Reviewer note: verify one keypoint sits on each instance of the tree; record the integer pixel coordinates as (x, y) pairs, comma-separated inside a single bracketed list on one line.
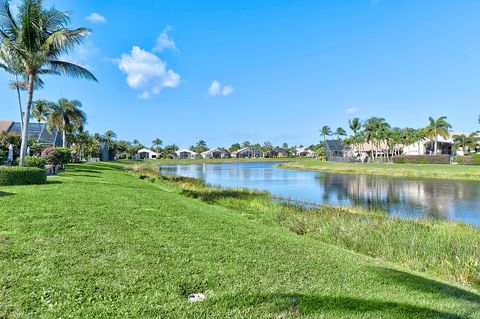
[(355, 125), (66, 117), (339, 132), (200, 147), (267, 148), (437, 127), (157, 143), (467, 143), (169, 151), (41, 111), (84, 145), (246, 144), (376, 129), (394, 137), (235, 147), (325, 131), (57, 156), (38, 38)]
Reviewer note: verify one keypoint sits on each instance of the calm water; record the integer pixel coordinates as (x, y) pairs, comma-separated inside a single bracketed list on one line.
[(417, 198)]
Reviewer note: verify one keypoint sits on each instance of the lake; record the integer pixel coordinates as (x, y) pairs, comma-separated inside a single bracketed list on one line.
[(414, 198)]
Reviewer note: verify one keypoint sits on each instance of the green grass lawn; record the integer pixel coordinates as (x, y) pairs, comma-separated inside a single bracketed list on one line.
[(99, 242), (389, 169)]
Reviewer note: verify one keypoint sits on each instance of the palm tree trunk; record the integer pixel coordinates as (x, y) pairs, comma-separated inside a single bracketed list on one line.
[(41, 132), (435, 146), (19, 103), (64, 137), (26, 118)]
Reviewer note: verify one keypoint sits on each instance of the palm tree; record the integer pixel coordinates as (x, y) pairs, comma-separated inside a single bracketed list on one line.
[(375, 132), (157, 143), (41, 111), (465, 142), (438, 127), (66, 117), (339, 132), (246, 144), (393, 138), (325, 131), (38, 38), (11, 64), (355, 125), (18, 85)]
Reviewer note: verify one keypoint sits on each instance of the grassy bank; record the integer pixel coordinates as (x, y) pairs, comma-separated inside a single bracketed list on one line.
[(401, 170), (98, 241), (447, 250)]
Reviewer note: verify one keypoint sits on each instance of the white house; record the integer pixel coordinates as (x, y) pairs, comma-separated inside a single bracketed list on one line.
[(422, 147), (216, 153), (185, 154), (304, 152), (247, 152), (147, 153), (445, 145)]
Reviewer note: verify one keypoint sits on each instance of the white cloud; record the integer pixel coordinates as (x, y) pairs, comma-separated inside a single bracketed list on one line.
[(227, 90), (352, 110), (216, 89), (96, 18), (146, 72), (164, 41)]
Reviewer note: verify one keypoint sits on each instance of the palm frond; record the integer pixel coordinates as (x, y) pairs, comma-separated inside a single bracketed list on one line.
[(9, 26), (62, 41), (5, 67), (54, 18), (70, 69)]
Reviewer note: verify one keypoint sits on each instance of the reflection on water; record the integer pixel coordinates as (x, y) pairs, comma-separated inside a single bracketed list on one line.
[(416, 198)]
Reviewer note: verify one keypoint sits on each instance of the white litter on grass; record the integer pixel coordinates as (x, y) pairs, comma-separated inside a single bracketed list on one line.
[(196, 297)]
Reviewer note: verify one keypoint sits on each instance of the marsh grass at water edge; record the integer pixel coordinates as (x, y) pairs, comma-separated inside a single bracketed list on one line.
[(446, 250)]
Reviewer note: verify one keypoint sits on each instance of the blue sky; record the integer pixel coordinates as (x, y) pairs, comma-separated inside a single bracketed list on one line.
[(282, 68)]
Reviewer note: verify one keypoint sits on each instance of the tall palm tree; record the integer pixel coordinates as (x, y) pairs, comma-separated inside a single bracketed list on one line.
[(41, 111), (38, 38), (437, 127), (17, 86), (376, 130), (66, 117), (339, 132), (157, 143), (325, 131), (355, 125)]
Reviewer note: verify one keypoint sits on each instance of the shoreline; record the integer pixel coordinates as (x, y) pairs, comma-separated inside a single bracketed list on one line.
[(368, 232), (410, 171)]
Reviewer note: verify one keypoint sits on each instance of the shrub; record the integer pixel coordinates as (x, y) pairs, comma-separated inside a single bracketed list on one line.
[(35, 161), (422, 159), (468, 160), (22, 175), (476, 159), (3, 156), (57, 155)]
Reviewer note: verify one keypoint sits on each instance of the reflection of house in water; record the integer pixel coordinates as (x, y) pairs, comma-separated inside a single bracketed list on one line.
[(433, 198)]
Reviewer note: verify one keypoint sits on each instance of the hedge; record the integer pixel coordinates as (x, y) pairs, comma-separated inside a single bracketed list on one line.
[(422, 159), (468, 160), (11, 175)]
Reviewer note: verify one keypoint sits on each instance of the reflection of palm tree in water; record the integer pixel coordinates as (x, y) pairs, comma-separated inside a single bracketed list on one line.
[(431, 198)]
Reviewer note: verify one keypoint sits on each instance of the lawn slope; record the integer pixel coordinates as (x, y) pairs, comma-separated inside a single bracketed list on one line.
[(99, 242)]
